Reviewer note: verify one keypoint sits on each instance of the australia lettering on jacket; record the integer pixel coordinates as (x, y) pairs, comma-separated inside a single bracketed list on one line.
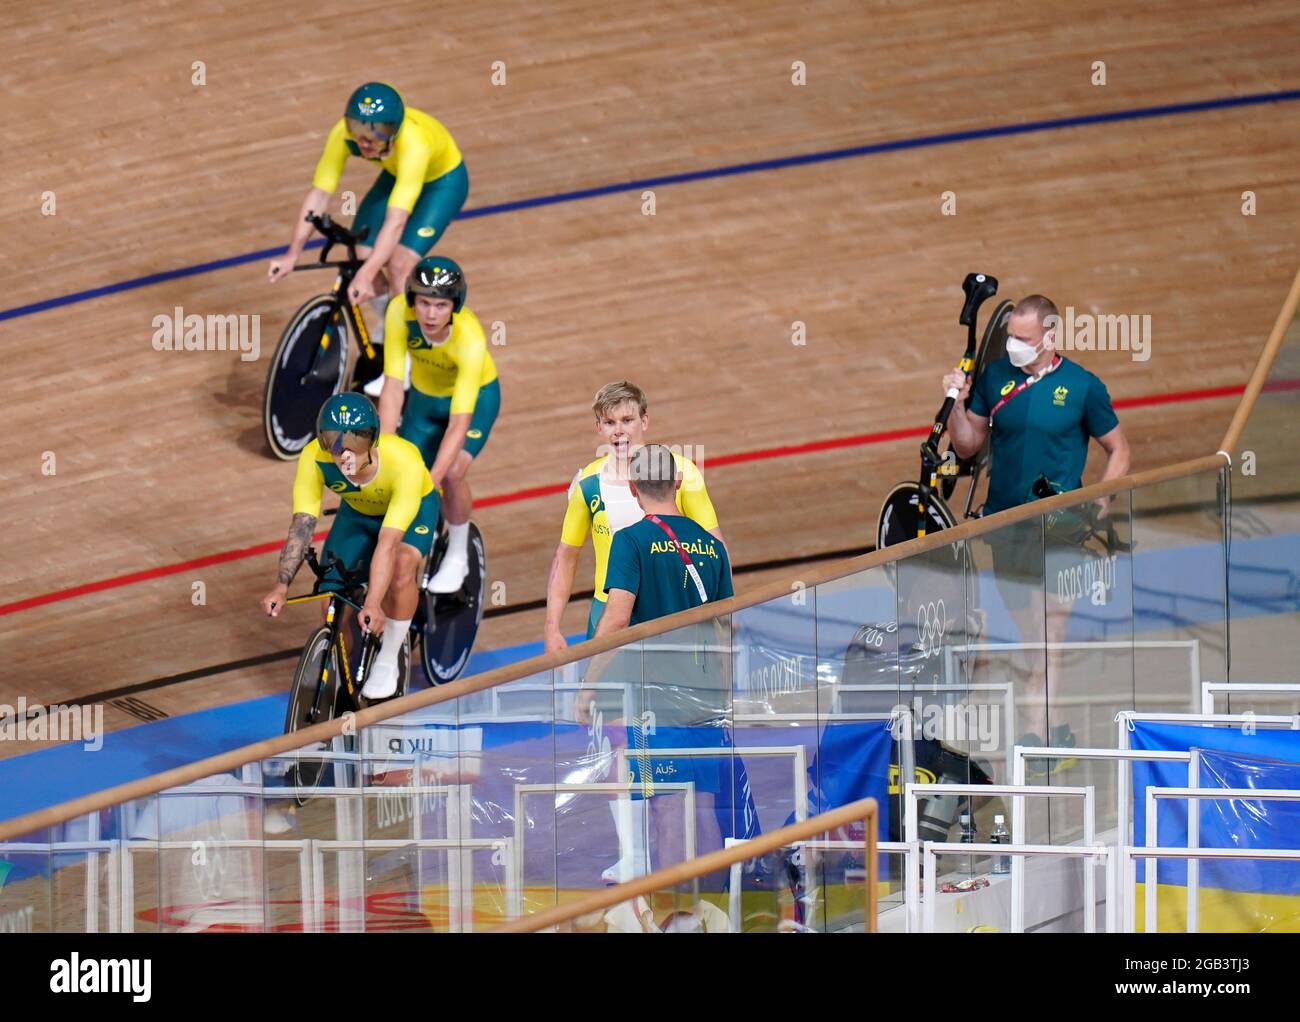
[(666, 547)]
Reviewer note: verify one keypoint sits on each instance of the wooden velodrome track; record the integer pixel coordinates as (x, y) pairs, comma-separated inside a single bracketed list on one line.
[(158, 456)]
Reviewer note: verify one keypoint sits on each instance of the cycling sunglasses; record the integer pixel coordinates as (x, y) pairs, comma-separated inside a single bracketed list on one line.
[(337, 441), (374, 132)]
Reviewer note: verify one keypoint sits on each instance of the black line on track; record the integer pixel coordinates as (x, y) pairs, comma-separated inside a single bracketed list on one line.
[(200, 673)]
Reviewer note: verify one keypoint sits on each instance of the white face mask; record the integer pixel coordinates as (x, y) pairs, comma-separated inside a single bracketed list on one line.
[(1022, 353)]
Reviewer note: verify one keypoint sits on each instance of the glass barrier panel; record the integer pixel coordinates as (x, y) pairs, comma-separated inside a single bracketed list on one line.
[(800, 888), (1180, 613), (680, 742), (597, 831), (1007, 663), (207, 849), (85, 877), (1264, 534), (26, 883), (864, 740), (1088, 610), (488, 820), (312, 821), (961, 700), (783, 700)]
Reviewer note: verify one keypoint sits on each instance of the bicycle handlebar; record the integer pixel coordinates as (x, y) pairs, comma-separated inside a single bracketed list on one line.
[(355, 579), (337, 234)]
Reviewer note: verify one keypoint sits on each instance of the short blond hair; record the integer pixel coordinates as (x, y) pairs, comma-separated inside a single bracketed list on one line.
[(612, 395), (1043, 308)]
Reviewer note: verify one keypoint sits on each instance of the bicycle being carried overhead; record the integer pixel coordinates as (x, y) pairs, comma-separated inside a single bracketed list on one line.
[(915, 507)]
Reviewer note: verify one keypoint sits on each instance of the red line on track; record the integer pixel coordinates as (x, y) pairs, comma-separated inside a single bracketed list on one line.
[(533, 493)]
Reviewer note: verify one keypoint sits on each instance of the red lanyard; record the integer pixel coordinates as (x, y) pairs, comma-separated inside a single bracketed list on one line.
[(681, 552), (1025, 385)]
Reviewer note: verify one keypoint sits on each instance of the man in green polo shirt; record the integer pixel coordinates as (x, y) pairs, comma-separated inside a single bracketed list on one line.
[(659, 566), (1042, 410), (665, 562)]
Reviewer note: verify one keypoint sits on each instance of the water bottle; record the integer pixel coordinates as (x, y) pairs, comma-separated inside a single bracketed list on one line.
[(967, 838), (1001, 863)]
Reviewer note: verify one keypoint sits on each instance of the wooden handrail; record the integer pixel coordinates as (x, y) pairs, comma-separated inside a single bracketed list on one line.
[(865, 811), (281, 744), (1285, 317)]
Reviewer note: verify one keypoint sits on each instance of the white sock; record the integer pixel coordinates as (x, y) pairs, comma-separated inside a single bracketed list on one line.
[(631, 836), (394, 633), (458, 540), (380, 304)]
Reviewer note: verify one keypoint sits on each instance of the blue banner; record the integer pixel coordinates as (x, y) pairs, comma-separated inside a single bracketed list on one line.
[(1224, 755)]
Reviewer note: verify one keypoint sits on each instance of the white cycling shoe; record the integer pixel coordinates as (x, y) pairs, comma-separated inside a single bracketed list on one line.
[(382, 683), (450, 575), (375, 387)]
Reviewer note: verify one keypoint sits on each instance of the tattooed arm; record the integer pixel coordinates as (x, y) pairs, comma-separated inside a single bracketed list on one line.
[(291, 558)]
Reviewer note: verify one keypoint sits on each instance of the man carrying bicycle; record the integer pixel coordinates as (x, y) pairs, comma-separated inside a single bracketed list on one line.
[(387, 517), (454, 397), (1041, 410), (421, 187)]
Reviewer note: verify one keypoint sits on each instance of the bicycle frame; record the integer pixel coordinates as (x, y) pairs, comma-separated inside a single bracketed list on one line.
[(347, 269), (333, 620)]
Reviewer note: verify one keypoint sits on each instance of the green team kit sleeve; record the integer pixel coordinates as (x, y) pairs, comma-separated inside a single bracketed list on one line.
[(1099, 416)]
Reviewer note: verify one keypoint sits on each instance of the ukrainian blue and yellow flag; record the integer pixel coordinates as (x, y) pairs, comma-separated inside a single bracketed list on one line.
[(1236, 895)]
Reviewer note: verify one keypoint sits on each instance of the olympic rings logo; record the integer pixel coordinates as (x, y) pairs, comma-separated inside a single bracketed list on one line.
[(931, 623)]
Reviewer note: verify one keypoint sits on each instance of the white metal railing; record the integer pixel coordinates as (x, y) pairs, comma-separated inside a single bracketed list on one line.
[(1131, 854), (1209, 689), (1192, 794), (1019, 793), (1122, 758), (1017, 852), (459, 911)]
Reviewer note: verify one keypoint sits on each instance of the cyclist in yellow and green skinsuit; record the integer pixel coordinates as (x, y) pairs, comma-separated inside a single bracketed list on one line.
[(421, 187)]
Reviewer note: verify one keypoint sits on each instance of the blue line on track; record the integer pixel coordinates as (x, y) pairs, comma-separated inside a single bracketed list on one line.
[(780, 163)]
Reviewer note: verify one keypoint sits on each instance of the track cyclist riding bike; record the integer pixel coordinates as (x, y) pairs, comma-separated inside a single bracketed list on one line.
[(422, 185), (388, 518), (454, 397)]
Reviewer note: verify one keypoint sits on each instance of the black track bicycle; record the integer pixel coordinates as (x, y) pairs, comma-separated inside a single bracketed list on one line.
[(914, 508), (333, 667), (338, 655), (313, 358)]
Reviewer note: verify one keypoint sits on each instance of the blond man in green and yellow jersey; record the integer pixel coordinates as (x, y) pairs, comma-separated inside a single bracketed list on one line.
[(601, 503)]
